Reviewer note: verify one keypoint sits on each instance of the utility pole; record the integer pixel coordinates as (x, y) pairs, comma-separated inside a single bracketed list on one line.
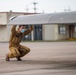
[(69, 8), (27, 8), (32, 33), (34, 3)]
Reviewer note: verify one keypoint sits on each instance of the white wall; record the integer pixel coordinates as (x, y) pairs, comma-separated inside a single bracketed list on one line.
[(3, 33), (8, 32), (3, 18), (49, 32)]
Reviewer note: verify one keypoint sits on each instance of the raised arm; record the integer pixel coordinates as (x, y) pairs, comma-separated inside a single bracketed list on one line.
[(28, 30), (13, 30)]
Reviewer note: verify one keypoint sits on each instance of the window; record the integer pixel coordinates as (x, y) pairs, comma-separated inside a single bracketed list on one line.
[(37, 32), (62, 30)]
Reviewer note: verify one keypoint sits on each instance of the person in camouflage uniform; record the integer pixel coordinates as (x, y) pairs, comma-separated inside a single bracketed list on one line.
[(16, 49)]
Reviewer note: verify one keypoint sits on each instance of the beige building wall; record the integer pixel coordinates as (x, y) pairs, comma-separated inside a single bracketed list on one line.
[(3, 33), (5, 29), (49, 32), (8, 32), (3, 18)]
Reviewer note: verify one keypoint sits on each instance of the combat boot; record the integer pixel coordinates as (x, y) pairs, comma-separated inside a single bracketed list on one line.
[(7, 57), (19, 59)]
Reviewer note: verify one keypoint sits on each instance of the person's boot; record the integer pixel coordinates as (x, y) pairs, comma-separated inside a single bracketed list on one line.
[(7, 57), (19, 59)]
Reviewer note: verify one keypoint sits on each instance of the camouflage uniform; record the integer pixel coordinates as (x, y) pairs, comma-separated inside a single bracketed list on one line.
[(17, 50)]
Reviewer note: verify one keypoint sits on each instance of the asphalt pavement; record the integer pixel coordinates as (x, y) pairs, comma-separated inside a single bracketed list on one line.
[(45, 58)]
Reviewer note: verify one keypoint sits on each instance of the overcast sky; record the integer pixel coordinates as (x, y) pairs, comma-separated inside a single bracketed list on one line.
[(48, 6)]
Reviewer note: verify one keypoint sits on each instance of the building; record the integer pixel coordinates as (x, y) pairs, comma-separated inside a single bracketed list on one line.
[(63, 26), (4, 20), (54, 26)]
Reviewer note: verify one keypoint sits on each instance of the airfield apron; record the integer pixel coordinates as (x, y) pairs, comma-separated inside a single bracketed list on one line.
[(17, 50)]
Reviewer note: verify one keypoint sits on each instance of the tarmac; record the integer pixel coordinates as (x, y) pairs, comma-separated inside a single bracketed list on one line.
[(45, 58)]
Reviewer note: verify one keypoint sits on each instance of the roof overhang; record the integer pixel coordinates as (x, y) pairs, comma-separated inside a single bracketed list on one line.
[(30, 19), (36, 19)]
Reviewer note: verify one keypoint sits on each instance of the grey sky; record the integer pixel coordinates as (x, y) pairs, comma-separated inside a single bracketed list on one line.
[(47, 5)]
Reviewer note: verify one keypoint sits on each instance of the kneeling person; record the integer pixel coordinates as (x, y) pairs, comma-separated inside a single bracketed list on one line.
[(16, 49)]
